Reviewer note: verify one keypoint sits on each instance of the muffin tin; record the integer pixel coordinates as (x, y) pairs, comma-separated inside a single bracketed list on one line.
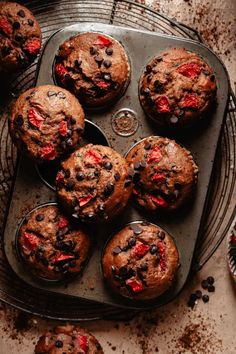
[(202, 141)]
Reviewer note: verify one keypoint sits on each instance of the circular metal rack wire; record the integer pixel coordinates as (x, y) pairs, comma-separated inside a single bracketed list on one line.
[(219, 210)]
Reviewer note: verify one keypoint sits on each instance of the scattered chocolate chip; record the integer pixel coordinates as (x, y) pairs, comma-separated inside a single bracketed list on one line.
[(116, 250), (131, 241), (161, 235), (70, 185), (108, 165), (30, 22), (113, 269), (107, 77), (92, 50), (136, 229), (16, 25), (79, 129), (72, 264), (205, 298), (18, 37), (21, 13), (212, 78), (127, 183), (109, 51), (123, 272), (148, 68), (80, 176), (145, 91), (159, 59), (98, 59), (136, 177), (117, 176), (98, 346), (78, 62), (158, 86), (210, 280), (144, 267), (153, 249), (109, 189), (125, 248), (51, 93), (107, 63), (69, 142), (149, 77), (19, 120), (39, 217), (59, 344), (72, 120), (67, 173), (204, 284), (60, 237), (198, 294), (211, 288), (147, 146)]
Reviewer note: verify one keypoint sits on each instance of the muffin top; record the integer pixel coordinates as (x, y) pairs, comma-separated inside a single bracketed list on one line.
[(20, 36), (51, 245), (165, 173), (94, 67), (93, 183), (140, 261), (68, 339), (46, 122), (177, 88)]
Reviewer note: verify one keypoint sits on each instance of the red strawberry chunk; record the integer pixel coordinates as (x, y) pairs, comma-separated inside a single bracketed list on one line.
[(162, 104), (102, 41), (155, 155), (159, 177), (82, 342), (233, 240), (60, 177), (103, 85), (140, 250), (92, 157), (60, 257), (61, 71), (63, 222), (135, 285), (63, 128), (35, 118), (159, 201), (32, 46), (84, 200), (48, 152), (191, 70), (30, 242), (190, 100), (161, 249), (5, 26)]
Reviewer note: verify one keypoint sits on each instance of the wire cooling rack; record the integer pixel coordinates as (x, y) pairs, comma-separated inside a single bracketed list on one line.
[(220, 208)]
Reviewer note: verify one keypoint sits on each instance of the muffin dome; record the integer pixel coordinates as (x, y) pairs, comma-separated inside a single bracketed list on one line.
[(46, 122), (50, 245), (94, 67), (177, 88), (140, 261), (93, 183), (20, 37), (164, 174)]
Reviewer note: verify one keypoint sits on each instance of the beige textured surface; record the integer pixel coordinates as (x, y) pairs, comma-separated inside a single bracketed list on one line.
[(167, 330)]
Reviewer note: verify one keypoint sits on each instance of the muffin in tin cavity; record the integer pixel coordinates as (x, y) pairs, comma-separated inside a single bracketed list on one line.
[(20, 37), (93, 66), (177, 88), (68, 339), (93, 183), (164, 174), (140, 261), (46, 122), (50, 245)]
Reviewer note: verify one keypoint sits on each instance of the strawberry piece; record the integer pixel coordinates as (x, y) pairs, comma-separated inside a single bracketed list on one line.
[(35, 118), (103, 85), (33, 46), (154, 155), (63, 128), (190, 100), (83, 343), (162, 104), (63, 222), (5, 27), (233, 240), (61, 72), (191, 70), (30, 242), (159, 201), (140, 250), (135, 285), (84, 200), (60, 177), (161, 249), (48, 152), (159, 177), (92, 157), (60, 257), (102, 41)]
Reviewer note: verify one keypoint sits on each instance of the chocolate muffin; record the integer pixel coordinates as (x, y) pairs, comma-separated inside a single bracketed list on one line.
[(140, 261), (177, 88), (68, 339), (50, 245), (93, 66), (46, 122), (20, 37), (164, 174), (93, 183)]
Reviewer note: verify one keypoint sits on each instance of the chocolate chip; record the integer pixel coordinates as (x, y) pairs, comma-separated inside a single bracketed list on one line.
[(61, 95), (92, 50), (113, 269), (39, 217), (159, 59), (72, 120), (107, 77), (98, 59), (148, 68), (80, 176), (117, 176), (149, 77), (125, 248), (108, 165), (136, 229), (67, 173), (60, 237), (98, 346), (127, 183), (136, 177), (204, 284), (147, 146), (109, 189), (145, 91), (116, 250), (21, 13), (18, 37), (72, 264), (78, 62), (158, 86), (59, 344), (69, 142), (91, 175), (109, 51), (153, 249), (211, 288), (205, 298), (70, 185), (161, 235), (79, 129), (210, 280), (212, 78), (198, 294), (131, 241), (30, 22), (144, 267), (51, 93), (16, 25), (123, 272), (19, 120), (107, 63), (177, 186)]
